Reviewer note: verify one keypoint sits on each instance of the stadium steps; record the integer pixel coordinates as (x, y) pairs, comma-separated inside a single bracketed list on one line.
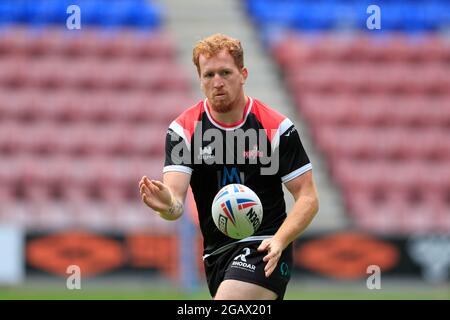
[(186, 27)]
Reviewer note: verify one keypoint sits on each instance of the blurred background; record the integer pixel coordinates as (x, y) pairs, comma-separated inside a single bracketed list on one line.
[(86, 96)]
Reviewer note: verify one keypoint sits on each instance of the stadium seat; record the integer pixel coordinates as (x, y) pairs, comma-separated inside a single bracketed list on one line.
[(13, 72), (354, 175), (19, 214), (420, 218), (14, 41), (94, 215), (167, 107), (376, 104), (10, 170), (432, 48), (115, 74), (10, 134), (336, 47), (331, 109), (291, 51), (79, 110), (155, 45), (47, 42), (443, 218), (382, 219)]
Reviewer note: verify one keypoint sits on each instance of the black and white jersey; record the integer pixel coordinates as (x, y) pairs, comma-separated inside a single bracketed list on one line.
[(262, 151)]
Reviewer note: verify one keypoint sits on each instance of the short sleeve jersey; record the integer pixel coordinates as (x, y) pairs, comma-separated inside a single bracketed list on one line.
[(262, 151)]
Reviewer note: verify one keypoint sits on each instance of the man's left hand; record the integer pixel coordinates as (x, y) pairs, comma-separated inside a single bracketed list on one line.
[(274, 249)]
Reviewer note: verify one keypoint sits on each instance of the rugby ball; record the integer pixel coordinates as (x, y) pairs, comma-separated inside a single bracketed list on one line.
[(237, 211)]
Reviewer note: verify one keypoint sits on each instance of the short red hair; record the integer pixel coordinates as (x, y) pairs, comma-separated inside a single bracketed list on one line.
[(212, 45)]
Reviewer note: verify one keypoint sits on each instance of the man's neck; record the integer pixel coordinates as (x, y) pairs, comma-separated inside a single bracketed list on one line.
[(235, 115)]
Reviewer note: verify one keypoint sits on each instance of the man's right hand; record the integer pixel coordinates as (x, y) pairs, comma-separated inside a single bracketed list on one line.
[(156, 195), (166, 198)]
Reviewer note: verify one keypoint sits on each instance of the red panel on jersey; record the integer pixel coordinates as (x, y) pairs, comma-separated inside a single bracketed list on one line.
[(269, 118), (188, 119)]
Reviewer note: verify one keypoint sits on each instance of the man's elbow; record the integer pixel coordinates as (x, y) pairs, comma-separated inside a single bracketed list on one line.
[(315, 205), (313, 201)]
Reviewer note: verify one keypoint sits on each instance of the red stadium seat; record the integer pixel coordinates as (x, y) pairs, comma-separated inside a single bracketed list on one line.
[(14, 71), (370, 49), (399, 49), (327, 109), (400, 176), (167, 107), (78, 112), (83, 73), (160, 77), (357, 175), (385, 218), (49, 41), (15, 41), (335, 47), (95, 215), (38, 138), (433, 48), (370, 109), (291, 51), (435, 177), (10, 135), (147, 140), (428, 143), (383, 129), (151, 46), (81, 44), (420, 218), (117, 74), (443, 218), (18, 214), (34, 178), (133, 106), (315, 78), (10, 171)]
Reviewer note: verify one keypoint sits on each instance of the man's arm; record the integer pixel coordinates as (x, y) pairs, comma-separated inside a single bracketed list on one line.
[(305, 208), (167, 197)]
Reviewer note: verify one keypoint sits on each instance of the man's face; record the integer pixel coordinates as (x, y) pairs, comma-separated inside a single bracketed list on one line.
[(221, 80)]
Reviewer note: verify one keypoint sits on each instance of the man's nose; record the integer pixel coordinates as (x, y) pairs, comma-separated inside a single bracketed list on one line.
[(217, 81)]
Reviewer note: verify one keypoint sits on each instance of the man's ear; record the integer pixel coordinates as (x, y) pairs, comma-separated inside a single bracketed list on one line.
[(244, 73)]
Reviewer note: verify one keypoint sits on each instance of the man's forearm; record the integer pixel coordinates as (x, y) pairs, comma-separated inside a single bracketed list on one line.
[(298, 219)]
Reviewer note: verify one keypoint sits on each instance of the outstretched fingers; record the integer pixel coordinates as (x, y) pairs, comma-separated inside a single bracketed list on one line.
[(158, 184), (150, 186)]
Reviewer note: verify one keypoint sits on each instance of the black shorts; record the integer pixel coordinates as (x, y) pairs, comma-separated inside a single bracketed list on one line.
[(243, 262)]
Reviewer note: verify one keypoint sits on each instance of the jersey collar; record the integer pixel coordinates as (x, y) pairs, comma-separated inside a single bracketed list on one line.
[(225, 126)]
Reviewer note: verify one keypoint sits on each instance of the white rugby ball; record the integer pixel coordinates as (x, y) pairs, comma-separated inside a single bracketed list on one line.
[(237, 211)]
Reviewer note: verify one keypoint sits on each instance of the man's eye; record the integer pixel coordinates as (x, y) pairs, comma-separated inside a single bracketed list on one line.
[(209, 75), (225, 72)]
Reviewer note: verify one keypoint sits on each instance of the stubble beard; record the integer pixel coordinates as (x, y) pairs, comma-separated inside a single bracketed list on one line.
[(221, 106)]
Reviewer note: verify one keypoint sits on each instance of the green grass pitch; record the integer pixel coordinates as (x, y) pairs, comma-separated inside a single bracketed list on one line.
[(294, 292)]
